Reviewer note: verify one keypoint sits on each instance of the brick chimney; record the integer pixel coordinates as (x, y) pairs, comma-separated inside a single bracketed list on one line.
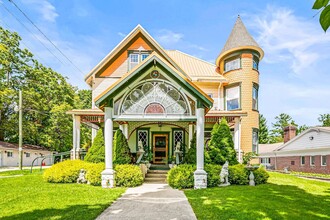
[(289, 133)]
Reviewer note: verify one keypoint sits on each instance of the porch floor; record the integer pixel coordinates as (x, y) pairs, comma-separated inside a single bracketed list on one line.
[(150, 201)]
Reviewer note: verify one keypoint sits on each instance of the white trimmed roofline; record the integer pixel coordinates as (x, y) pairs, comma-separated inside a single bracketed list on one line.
[(317, 129), (130, 36)]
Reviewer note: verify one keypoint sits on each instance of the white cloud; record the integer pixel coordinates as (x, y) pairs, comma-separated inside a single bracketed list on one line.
[(121, 34), (168, 37), (286, 37), (45, 8)]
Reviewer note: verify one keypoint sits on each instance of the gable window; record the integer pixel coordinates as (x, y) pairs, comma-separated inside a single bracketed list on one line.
[(255, 96), (302, 160), (323, 160), (9, 154), (232, 64), (255, 64), (233, 98), (135, 57), (312, 160), (255, 140)]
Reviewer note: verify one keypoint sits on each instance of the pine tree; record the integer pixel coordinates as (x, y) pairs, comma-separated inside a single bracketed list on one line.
[(277, 133), (121, 151), (222, 144), (190, 156), (96, 153), (263, 130)]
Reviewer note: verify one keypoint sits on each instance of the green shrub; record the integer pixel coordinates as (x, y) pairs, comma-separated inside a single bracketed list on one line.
[(128, 175), (238, 175), (93, 174), (221, 145), (260, 175), (190, 157), (121, 151), (182, 176), (213, 174), (65, 172), (96, 153)]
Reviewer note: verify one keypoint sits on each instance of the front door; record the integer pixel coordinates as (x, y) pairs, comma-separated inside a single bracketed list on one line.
[(160, 148)]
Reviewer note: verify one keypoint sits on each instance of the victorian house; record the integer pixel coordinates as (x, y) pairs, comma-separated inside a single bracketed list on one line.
[(160, 98)]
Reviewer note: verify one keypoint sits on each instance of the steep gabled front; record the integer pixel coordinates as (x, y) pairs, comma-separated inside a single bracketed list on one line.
[(160, 84)]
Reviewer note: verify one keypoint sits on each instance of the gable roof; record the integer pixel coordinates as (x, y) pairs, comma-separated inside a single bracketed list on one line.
[(239, 38), (7, 145), (318, 129), (138, 29), (195, 67), (151, 59)]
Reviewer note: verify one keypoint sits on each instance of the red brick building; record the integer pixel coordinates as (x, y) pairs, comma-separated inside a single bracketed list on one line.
[(307, 152)]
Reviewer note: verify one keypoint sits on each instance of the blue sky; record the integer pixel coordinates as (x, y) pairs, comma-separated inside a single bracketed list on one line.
[(294, 74)]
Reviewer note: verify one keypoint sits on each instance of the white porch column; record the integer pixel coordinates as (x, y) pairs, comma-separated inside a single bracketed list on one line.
[(200, 176), (108, 175), (237, 138), (191, 133), (76, 137)]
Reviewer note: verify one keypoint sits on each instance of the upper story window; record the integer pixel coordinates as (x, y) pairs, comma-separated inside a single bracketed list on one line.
[(233, 98), (135, 57), (9, 154), (255, 90), (232, 64), (255, 64)]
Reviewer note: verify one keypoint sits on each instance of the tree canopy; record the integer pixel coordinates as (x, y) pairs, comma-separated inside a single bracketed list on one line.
[(46, 97), (263, 130), (324, 7), (324, 119)]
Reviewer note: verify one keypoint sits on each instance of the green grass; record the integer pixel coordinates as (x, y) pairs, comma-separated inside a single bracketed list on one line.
[(284, 197), (29, 197)]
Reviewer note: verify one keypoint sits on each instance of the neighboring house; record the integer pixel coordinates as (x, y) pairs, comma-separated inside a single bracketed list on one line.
[(161, 97), (307, 152), (9, 155)]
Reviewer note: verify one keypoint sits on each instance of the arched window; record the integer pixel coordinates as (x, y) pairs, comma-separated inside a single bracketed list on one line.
[(155, 97)]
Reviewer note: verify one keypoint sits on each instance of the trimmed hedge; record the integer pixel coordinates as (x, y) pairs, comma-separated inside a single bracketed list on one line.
[(260, 176), (238, 175), (128, 175), (93, 174), (65, 172), (182, 176), (68, 172)]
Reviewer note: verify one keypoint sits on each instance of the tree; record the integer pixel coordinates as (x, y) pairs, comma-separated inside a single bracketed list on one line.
[(46, 97), (277, 133), (301, 128), (96, 153), (190, 157), (263, 130), (121, 150), (324, 7), (221, 147), (324, 119)]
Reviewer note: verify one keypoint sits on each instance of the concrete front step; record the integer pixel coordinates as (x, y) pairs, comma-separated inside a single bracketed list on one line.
[(156, 175), (155, 180), (157, 172)]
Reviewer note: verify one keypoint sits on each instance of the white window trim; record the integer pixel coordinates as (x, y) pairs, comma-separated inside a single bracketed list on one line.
[(12, 153), (322, 160), (302, 164), (310, 160), (239, 97)]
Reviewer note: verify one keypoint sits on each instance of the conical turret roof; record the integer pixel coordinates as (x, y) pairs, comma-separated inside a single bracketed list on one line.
[(239, 38)]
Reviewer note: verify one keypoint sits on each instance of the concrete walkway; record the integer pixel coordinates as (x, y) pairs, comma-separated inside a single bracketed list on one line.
[(150, 201)]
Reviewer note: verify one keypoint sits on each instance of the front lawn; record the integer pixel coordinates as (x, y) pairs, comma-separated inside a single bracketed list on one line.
[(284, 197), (29, 197)]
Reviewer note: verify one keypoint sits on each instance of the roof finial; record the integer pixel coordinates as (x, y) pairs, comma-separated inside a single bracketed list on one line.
[(238, 16)]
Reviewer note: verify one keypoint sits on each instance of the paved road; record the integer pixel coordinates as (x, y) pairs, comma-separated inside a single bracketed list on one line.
[(150, 201)]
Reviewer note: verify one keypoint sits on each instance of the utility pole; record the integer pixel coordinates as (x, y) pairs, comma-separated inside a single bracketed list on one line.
[(20, 132)]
